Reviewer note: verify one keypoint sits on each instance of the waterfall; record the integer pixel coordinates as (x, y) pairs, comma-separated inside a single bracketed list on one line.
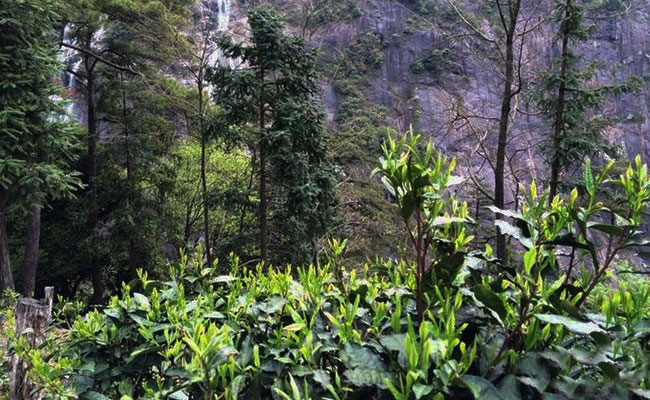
[(224, 15), (72, 63), (221, 23)]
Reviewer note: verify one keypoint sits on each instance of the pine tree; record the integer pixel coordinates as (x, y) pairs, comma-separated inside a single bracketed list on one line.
[(124, 49), (274, 98), (37, 142), (569, 103)]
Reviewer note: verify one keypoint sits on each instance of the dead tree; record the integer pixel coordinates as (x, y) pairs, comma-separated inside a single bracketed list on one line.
[(33, 317)]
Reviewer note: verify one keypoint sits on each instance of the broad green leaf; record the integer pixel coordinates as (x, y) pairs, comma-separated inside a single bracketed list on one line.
[(509, 388), (369, 377), (224, 279), (94, 396), (322, 377), (394, 342), (606, 228), (573, 325), (141, 300), (408, 206), (491, 300), (567, 240), (448, 268), (514, 232), (481, 388), (506, 213), (420, 390)]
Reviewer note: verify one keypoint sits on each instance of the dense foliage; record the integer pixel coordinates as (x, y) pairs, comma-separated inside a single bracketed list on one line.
[(235, 224), (37, 142), (444, 329)]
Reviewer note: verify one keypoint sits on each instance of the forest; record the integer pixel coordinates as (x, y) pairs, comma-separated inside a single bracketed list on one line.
[(324, 199)]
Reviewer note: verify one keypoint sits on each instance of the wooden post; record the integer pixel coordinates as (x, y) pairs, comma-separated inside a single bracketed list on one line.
[(33, 317)]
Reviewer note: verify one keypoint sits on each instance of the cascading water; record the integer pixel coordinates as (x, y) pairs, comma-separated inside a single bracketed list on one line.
[(215, 13), (220, 15), (72, 77), (72, 62)]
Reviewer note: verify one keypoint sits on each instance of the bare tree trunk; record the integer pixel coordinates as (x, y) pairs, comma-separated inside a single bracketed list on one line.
[(204, 184), (33, 317), (504, 119), (558, 124), (263, 206), (91, 172), (6, 277), (31, 251)]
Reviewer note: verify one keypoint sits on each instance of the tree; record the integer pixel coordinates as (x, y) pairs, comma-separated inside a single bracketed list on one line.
[(37, 142), (567, 99), (195, 50), (510, 29), (123, 50), (420, 180), (274, 98)]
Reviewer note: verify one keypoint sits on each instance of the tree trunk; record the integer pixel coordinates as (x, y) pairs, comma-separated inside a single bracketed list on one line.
[(91, 172), (504, 119), (558, 124), (33, 317), (262, 145), (31, 251), (204, 183), (6, 276), (132, 260)]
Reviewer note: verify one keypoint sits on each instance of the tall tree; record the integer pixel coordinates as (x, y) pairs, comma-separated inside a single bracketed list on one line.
[(36, 142), (139, 112), (509, 18), (569, 102), (507, 38), (123, 48), (274, 96), (196, 50)]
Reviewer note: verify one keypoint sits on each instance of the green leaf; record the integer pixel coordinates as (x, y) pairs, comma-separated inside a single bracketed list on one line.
[(408, 206), (609, 369), (356, 356), (237, 385), (481, 388), (567, 240), (94, 396), (514, 232), (573, 325), (590, 185), (420, 390), (509, 388), (295, 327), (491, 300), (506, 213), (322, 377), (365, 366), (642, 393), (141, 300), (448, 268), (606, 228), (394, 342), (369, 377), (224, 279)]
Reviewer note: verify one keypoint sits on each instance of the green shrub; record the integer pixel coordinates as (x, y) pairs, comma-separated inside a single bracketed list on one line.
[(258, 331), (7, 304), (539, 324)]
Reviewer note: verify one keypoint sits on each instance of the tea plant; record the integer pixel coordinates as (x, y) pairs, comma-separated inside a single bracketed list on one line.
[(452, 324)]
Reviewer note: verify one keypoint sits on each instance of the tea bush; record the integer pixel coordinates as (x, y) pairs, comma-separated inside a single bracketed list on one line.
[(452, 324), (322, 332)]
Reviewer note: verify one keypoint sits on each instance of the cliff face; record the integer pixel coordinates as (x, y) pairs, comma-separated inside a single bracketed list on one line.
[(447, 84)]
